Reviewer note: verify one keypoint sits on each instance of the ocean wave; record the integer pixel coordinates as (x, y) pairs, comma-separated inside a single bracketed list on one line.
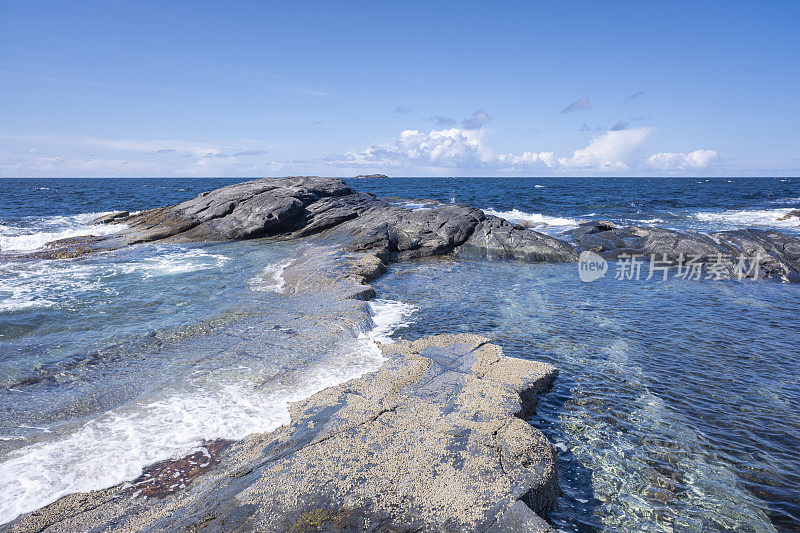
[(171, 262), (43, 230), (645, 220), (271, 278), (230, 404), (387, 317), (745, 218), (40, 284), (538, 220), (46, 284)]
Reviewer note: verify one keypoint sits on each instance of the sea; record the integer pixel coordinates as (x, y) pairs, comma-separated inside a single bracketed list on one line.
[(677, 406)]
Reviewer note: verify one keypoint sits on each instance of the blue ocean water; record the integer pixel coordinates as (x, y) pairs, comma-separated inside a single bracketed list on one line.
[(677, 406)]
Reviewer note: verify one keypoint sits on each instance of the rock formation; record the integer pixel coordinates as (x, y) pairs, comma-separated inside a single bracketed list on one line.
[(777, 254), (393, 229), (304, 206)]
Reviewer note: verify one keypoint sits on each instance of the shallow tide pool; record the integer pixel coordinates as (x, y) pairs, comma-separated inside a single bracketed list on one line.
[(677, 406)]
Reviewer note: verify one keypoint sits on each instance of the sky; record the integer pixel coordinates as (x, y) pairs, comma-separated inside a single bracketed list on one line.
[(102, 88)]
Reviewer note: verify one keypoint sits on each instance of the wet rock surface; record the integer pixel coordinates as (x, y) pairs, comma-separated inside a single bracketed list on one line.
[(430, 442), (776, 254)]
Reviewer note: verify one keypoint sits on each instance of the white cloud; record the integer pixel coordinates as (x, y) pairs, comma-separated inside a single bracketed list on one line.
[(462, 149), (682, 161), (467, 148), (71, 155), (609, 151), (451, 147)]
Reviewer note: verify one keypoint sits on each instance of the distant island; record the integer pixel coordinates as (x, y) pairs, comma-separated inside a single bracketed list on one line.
[(370, 176)]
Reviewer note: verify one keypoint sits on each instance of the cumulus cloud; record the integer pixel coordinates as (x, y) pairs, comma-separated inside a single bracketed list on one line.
[(578, 105), (467, 148), (609, 151), (452, 147), (682, 161), (403, 109)]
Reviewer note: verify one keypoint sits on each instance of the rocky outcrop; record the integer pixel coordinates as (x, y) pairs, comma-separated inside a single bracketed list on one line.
[(304, 206), (788, 216), (111, 218), (246, 210), (430, 442), (496, 238), (776, 254), (395, 229)]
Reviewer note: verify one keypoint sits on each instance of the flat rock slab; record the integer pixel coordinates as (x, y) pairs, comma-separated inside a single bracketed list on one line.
[(433, 441)]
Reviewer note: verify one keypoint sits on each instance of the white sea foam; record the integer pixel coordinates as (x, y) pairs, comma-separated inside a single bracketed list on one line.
[(230, 404), (387, 317), (48, 229), (746, 218), (540, 222), (172, 262), (271, 278), (40, 284), (416, 206), (645, 220), (45, 283)]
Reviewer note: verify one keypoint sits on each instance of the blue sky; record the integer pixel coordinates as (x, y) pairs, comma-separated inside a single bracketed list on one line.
[(127, 88)]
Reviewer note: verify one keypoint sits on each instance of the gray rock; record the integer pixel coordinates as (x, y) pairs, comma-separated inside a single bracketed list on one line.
[(778, 254), (496, 238), (241, 211), (520, 519), (392, 231), (611, 241), (111, 218), (305, 206)]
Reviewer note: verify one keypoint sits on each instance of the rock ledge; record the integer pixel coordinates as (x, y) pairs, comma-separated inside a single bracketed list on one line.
[(430, 442)]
